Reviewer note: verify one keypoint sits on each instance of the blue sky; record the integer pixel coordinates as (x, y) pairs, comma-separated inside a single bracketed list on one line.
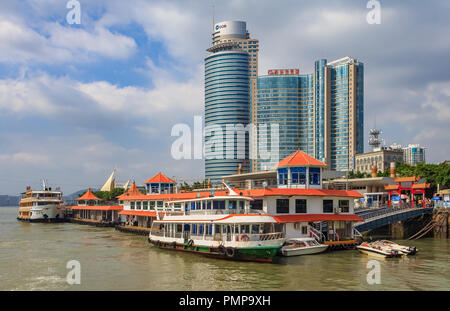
[(78, 100)]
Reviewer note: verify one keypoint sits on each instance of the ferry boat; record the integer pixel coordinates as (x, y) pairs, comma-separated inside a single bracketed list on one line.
[(218, 226), (378, 250), (302, 246), (41, 205)]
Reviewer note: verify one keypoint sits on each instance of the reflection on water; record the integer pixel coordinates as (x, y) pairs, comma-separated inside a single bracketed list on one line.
[(34, 257)]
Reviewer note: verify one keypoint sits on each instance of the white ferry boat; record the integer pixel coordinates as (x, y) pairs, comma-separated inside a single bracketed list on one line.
[(41, 205), (218, 226)]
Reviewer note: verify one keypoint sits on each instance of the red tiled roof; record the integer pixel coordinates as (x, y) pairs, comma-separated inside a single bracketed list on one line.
[(139, 213), (299, 158), (99, 208), (160, 178), (88, 196), (133, 192), (300, 192), (316, 217)]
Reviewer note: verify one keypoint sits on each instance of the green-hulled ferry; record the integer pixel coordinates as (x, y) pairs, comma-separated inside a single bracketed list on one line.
[(218, 226)]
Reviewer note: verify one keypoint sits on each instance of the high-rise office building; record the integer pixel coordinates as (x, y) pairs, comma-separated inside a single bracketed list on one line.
[(320, 113), (414, 154), (285, 98), (236, 32), (229, 71)]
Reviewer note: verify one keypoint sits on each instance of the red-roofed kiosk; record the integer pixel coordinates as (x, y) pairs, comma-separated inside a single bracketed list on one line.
[(90, 211)]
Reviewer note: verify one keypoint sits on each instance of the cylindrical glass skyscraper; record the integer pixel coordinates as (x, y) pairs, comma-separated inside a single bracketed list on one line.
[(226, 109)]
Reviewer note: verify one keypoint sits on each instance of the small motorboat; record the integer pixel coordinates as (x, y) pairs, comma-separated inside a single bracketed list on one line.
[(376, 249), (302, 246), (407, 250)]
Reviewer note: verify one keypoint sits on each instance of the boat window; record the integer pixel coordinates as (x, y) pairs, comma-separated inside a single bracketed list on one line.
[(241, 204), (344, 206), (236, 229), (160, 203), (194, 229), (208, 205), (217, 229), (327, 206), (200, 229), (198, 205), (245, 229), (304, 230), (177, 205), (229, 229), (218, 204), (187, 228), (256, 204), (282, 206), (192, 205), (255, 229), (132, 204), (208, 229), (152, 204), (232, 204), (138, 205), (300, 205), (179, 228)]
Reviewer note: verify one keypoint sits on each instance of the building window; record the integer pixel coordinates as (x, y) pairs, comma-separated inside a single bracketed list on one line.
[(283, 176), (154, 188), (344, 206), (282, 206), (328, 206), (314, 176), (256, 204), (300, 206), (304, 230), (298, 175)]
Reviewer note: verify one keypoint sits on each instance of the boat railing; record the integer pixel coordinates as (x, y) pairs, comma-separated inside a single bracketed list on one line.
[(261, 236)]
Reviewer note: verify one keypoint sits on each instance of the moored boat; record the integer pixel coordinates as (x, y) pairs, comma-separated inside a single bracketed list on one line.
[(378, 250), (41, 205), (407, 250), (220, 227), (302, 246)]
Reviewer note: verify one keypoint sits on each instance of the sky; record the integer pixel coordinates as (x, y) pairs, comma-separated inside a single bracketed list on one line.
[(77, 100)]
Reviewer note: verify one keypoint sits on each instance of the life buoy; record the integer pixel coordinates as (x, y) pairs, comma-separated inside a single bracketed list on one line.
[(190, 243), (244, 238), (221, 249), (230, 252)]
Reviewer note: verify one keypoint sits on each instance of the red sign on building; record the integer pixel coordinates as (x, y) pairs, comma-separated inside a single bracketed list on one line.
[(279, 72)]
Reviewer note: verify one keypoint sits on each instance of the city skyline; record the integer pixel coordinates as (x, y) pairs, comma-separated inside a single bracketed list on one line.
[(78, 100)]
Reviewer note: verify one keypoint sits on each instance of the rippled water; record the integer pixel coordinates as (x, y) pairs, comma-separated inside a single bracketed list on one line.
[(34, 257)]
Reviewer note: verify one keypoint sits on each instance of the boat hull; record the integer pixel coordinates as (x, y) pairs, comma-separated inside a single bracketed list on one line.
[(259, 254), (303, 251), (44, 213), (378, 253)]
